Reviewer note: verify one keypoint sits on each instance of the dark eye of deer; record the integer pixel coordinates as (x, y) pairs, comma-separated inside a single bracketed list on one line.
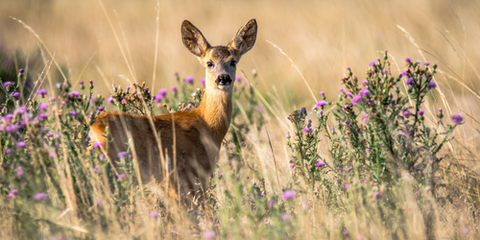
[(209, 64), (233, 63)]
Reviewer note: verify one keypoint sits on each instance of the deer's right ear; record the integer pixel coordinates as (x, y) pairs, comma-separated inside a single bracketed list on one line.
[(193, 39)]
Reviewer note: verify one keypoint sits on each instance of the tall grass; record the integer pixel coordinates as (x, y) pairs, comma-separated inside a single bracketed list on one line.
[(382, 164)]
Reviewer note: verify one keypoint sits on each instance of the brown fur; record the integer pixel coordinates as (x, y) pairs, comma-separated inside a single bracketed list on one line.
[(197, 135)]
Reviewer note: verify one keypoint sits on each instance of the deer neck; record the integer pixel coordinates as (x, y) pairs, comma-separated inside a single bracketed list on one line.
[(216, 111)]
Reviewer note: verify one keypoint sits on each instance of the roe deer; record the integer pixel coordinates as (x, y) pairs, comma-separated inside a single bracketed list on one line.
[(189, 154)]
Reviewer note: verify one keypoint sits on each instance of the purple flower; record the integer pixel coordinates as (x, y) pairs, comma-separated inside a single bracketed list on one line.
[(8, 116), (292, 165), (95, 169), (271, 203), (365, 92), (341, 90), (7, 84), (432, 84), (306, 129), (97, 144), (406, 113), (121, 155), (20, 70), (372, 63), (376, 193), (174, 89), (21, 144), (121, 176), (356, 99), (220, 175), (285, 217), (244, 83), (410, 81), (16, 94), (8, 151), (347, 186), (209, 235), (408, 60), (465, 231), (20, 111), (175, 74), (157, 98), (13, 193), (19, 172), (289, 194), (238, 78), (43, 106), (321, 103), (189, 79), (52, 154), (367, 150), (42, 116), (153, 214), (457, 119), (93, 100), (99, 202), (322, 93), (426, 64), (349, 94), (90, 82), (345, 233), (42, 92), (320, 164), (405, 74), (259, 108), (364, 82), (332, 128), (40, 196), (162, 92), (203, 81), (420, 112), (110, 100), (305, 206), (100, 109), (385, 72)]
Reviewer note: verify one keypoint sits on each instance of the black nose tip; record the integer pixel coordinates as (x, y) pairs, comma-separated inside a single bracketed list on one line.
[(223, 79)]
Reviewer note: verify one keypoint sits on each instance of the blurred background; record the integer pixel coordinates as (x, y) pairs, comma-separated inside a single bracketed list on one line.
[(322, 38)]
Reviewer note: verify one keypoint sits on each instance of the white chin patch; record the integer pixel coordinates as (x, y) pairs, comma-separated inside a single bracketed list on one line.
[(224, 86)]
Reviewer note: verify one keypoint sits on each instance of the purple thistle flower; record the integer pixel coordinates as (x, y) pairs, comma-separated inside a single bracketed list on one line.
[(365, 92), (95, 169), (321, 103), (322, 93), (432, 85), (21, 144), (465, 231), (175, 74), (320, 164), (405, 74), (174, 89), (110, 100), (356, 99), (19, 172), (121, 176), (100, 109), (97, 144), (341, 90), (8, 116), (157, 98), (372, 63), (7, 84), (345, 233), (121, 155), (20, 111), (367, 150), (305, 206), (153, 214), (162, 92), (42, 116), (285, 217), (20, 70), (349, 94), (364, 82), (90, 82), (13, 193), (289, 194), (73, 113), (244, 83), (16, 94), (43, 106), (332, 128), (93, 100), (80, 83), (8, 151), (306, 129), (189, 79), (42, 92), (271, 203), (347, 186), (220, 175), (426, 64), (408, 60), (203, 81), (376, 193), (40, 196), (292, 165), (209, 235), (420, 112), (259, 108), (457, 119), (385, 72), (238, 78), (99, 202), (406, 113), (52, 154), (410, 81)]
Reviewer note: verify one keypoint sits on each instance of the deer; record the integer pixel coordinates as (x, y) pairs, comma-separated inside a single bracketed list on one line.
[(181, 147)]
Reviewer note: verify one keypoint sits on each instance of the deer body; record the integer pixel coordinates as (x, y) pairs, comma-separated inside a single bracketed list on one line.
[(189, 141)]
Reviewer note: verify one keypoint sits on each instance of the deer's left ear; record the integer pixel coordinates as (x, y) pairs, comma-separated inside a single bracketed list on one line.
[(245, 38), (193, 39)]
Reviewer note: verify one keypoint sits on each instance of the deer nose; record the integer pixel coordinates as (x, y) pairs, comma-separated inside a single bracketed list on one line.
[(223, 79)]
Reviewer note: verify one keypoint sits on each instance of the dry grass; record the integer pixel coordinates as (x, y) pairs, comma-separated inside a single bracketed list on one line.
[(323, 38)]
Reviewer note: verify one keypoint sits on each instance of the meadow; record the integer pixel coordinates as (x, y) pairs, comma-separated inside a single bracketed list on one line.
[(352, 120)]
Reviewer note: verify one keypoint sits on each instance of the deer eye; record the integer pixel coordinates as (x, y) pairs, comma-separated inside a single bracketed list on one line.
[(209, 64), (233, 63)]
